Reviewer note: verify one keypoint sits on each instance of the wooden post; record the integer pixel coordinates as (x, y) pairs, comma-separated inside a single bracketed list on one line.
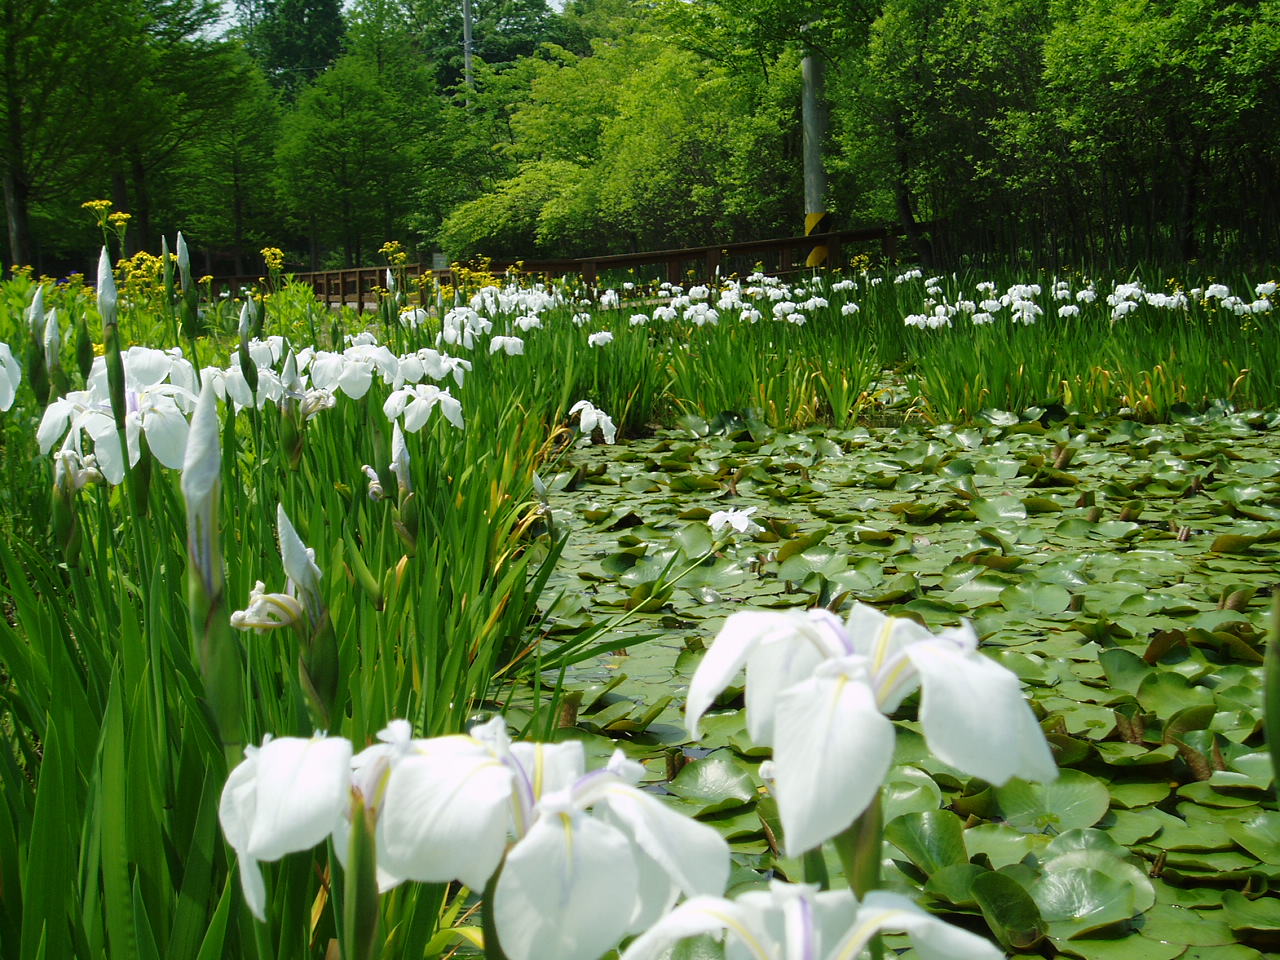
[(835, 254), (813, 111), (712, 262)]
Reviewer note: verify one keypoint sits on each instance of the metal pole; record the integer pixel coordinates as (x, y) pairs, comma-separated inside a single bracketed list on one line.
[(813, 112), (467, 75)]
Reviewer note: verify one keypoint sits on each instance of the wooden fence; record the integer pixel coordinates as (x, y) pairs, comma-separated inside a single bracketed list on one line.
[(778, 256)]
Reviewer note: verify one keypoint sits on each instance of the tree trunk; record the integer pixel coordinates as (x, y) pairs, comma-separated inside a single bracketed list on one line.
[(18, 217), (141, 208), (902, 196)]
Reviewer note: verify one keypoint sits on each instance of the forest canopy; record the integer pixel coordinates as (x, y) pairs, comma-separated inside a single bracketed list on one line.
[(1043, 131)]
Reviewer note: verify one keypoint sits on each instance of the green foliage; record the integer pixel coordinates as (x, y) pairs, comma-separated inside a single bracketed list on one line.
[(630, 147), (224, 175), (340, 161), (293, 40), (1048, 132)]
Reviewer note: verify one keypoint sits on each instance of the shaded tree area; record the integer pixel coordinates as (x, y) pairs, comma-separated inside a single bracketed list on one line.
[(1046, 131)]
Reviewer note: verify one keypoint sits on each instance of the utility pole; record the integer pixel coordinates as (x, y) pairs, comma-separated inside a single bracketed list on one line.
[(813, 113), (467, 76)]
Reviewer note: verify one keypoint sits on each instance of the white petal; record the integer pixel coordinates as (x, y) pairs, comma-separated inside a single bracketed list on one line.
[(394, 405), (771, 668), (255, 891), (548, 767), (446, 814), (299, 562), (701, 915), (693, 854), (451, 409), (884, 640), (106, 444), (145, 367), (655, 893), (355, 379), (975, 716), (739, 636), (301, 789), (832, 750), (237, 387), (202, 462), (327, 369), (166, 431), (932, 938), (566, 890), (239, 801), (416, 412), (54, 423)]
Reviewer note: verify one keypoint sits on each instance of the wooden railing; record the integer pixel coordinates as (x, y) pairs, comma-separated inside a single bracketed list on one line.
[(778, 256)]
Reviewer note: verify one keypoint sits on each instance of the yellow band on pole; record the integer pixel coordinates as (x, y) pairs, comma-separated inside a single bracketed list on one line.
[(816, 223)]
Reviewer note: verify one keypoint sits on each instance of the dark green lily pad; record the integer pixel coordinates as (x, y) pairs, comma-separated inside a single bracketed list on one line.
[(1009, 909), (931, 840)]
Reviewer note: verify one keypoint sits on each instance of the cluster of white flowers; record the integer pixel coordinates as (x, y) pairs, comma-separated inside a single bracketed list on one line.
[(585, 858), (160, 393), (590, 417)]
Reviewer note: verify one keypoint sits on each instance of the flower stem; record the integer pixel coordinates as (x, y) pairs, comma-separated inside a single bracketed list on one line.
[(815, 869), (1271, 686), (859, 851), (489, 923)]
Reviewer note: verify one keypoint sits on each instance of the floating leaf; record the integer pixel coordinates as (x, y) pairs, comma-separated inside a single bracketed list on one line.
[(1073, 800), (1079, 901), (932, 839), (954, 884), (714, 783), (1243, 914), (1010, 910), (1260, 835), (1045, 599)]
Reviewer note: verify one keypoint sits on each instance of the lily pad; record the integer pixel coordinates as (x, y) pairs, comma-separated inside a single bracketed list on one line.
[(1243, 914), (1079, 901), (1260, 836), (1132, 947), (908, 790), (1042, 598), (1010, 910), (932, 839), (714, 783), (1073, 800)]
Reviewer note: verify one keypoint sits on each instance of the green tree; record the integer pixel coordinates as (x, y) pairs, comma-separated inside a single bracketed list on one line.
[(502, 32), (293, 40), (345, 170), (48, 54), (223, 178), (638, 145), (172, 82)]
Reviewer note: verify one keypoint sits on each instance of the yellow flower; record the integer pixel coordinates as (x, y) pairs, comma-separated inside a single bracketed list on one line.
[(274, 258), (99, 210), (119, 218)]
